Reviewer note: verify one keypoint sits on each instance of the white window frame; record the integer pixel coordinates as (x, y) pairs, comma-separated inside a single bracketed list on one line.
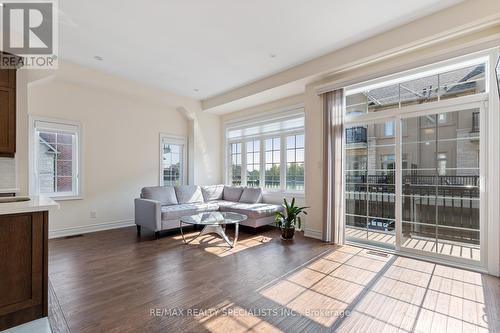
[(290, 112), (174, 140), (230, 162), (284, 154), (60, 125), (489, 157)]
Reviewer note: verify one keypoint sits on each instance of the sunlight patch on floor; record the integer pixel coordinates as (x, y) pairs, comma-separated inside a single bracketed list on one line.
[(383, 293), (236, 319), (454, 249), (215, 245)]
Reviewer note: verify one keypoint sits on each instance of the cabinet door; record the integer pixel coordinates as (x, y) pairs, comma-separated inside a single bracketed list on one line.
[(7, 122), (21, 263), (8, 78)]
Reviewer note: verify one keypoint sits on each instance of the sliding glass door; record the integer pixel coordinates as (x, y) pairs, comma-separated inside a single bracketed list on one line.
[(426, 164), (440, 175), (370, 183)]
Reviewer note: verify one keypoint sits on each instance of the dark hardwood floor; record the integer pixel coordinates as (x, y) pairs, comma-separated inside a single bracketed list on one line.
[(112, 281)]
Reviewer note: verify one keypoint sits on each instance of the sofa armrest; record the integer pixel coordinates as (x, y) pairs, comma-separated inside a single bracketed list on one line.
[(148, 214)]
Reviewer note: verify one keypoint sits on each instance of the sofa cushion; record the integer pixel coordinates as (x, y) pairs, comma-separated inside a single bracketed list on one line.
[(189, 194), (177, 211), (212, 192), (253, 211), (251, 195), (232, 193), (164, 194)]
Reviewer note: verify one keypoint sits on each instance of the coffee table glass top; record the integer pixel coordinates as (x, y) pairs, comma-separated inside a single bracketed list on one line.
[(214, 218)]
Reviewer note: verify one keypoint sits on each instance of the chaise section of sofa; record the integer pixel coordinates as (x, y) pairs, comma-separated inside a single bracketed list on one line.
[(160, 208)]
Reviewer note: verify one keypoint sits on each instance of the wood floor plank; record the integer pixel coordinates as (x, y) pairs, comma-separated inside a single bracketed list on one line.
[(112, 281)]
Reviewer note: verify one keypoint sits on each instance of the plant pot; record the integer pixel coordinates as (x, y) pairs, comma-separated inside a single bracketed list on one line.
[(287, 233)]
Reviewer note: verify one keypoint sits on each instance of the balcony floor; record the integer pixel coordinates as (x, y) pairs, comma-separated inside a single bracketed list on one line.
[(454, 249)]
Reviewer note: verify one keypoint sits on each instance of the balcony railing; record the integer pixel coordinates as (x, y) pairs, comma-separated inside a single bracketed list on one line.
[(390, 179), (450, 203), (355, 135)]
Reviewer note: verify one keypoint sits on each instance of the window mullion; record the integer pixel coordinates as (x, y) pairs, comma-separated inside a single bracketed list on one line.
[(229, 164), (262, 166), (398, 183), (244, 163), (282, 163)]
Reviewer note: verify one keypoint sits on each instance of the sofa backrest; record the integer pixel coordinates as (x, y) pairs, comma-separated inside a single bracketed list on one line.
[(189, 194), (168, 195), (212, 192), (251, 195), (232, 193), (164, 194)]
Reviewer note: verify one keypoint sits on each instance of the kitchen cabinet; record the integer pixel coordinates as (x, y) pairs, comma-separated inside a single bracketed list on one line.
[(8, 78), (23, 267), (7, 116)]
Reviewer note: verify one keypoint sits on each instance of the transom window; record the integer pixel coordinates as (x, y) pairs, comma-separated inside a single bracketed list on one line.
[(267, 153), (423, 87)]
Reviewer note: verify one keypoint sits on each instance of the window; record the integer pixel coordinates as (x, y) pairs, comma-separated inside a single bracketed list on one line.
[(295, 162), (389, 128), (451, 82), (272, 161), (55, 159), (267, 152), (414, 186), (388, 162), (235, 163), (253, 163), (172, 156), (441, 163)]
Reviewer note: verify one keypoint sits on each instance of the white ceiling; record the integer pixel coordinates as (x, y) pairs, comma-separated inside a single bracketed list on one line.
[(218, 45)]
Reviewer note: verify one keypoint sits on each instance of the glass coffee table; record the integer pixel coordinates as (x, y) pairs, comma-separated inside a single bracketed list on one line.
[(214, 223)]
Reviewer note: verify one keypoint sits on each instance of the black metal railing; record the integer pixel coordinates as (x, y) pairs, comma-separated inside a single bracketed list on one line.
[(444, 205), (355, 135)]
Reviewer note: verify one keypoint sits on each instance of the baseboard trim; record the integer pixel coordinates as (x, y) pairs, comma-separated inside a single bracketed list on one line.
[(311, 233), (90, 228)]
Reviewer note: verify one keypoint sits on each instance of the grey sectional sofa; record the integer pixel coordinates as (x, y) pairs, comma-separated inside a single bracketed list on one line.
[(159, 208)]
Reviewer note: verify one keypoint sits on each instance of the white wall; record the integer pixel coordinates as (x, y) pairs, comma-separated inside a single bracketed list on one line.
[(121, 122), (453, 22)]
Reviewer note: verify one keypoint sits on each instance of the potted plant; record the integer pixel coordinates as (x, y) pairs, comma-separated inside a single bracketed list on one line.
[(289, 219)]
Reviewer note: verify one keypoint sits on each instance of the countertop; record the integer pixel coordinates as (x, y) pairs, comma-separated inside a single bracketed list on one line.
[(36, 204)]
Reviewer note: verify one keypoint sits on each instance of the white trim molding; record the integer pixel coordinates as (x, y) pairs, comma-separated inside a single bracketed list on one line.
[(312, 233), (72, 231)]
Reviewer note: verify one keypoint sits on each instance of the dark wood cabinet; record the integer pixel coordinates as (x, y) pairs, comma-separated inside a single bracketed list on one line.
[(7, 121), (7, 112), (8, 78), (23, 267)]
